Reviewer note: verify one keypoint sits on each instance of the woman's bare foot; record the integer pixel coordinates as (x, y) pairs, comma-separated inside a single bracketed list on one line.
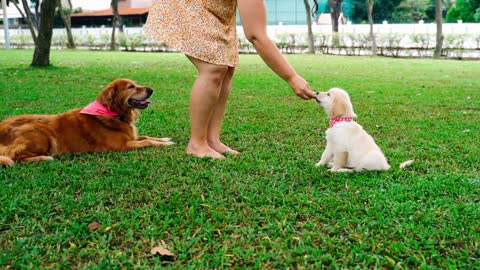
[(203, 151), (222, 148)]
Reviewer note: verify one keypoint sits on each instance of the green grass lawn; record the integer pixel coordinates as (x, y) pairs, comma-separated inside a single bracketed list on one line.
[(269, 207)]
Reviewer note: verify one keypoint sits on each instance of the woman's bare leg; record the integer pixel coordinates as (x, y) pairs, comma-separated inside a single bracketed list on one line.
[(214, 129), (203, 99)]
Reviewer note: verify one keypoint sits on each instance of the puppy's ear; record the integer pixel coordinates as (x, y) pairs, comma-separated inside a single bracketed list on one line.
[(352, 113), (338, 107), (341, 106), (349, 110)]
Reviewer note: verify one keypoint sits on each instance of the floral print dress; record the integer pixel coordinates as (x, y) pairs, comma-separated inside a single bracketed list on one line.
[(203, 29)]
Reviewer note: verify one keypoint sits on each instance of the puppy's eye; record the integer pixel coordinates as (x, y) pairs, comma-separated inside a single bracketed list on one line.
[(131, 86), (328, 94)]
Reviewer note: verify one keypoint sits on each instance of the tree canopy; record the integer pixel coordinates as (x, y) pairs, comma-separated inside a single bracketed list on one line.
[(465, 10), (412, 11), (382, 10)]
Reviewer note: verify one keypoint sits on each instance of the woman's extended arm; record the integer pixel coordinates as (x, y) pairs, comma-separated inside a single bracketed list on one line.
[(254, 20)]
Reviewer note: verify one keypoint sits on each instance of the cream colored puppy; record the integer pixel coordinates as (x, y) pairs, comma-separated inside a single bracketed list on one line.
[(349, 146)]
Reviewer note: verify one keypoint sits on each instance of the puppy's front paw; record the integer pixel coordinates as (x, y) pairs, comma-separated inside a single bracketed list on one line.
[(344, 170), (321, 162), (166, 139)]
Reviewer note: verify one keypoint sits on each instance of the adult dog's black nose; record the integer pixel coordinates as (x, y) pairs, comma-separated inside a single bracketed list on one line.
[(149, 90)]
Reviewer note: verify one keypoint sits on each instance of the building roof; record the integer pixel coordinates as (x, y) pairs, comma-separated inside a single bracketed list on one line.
[(109, 12), (325, 18)]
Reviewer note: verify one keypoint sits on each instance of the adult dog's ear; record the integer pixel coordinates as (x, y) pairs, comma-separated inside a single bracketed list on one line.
[(106, 96)]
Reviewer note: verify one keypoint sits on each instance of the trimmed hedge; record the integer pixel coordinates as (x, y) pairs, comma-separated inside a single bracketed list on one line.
[(388, 44)]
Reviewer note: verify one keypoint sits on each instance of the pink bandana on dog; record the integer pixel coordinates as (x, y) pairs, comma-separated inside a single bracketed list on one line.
[(336, 120), (97, 108)]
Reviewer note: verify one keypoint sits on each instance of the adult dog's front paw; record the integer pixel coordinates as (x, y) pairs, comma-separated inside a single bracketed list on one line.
[(161, 143)]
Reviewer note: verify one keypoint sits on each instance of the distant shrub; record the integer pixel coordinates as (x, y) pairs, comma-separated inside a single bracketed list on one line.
[(422, 42), (347, 43), (60, 41), (21, 41), (389, 44), (453, 45), (477, 41), (286, 42)]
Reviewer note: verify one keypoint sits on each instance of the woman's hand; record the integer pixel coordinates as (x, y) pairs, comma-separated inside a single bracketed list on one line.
[(301, 87)]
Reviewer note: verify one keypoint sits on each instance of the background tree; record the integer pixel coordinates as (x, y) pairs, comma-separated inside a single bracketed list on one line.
[(439, 22), (35, 17), (114, 5), (311, 48), (431, 10), (465, 10), (41, 55), (402, 9), (66, 14), (335, 10), (15, 3), (29, 17), (383, 10), (370, 21), (410, 11)]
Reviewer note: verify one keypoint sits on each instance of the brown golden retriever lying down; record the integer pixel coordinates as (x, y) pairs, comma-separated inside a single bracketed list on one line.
[(107, 124)]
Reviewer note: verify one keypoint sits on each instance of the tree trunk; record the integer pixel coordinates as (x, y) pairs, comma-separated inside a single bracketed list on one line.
[(439, 21), (114, 5), (335, 10), (311, 48), (68, 22), (370, 21), (19, 9), (41, 55), (30, 20)]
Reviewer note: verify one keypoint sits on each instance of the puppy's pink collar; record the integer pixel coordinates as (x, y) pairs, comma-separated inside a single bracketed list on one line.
[(97, 108), (336, 120)]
